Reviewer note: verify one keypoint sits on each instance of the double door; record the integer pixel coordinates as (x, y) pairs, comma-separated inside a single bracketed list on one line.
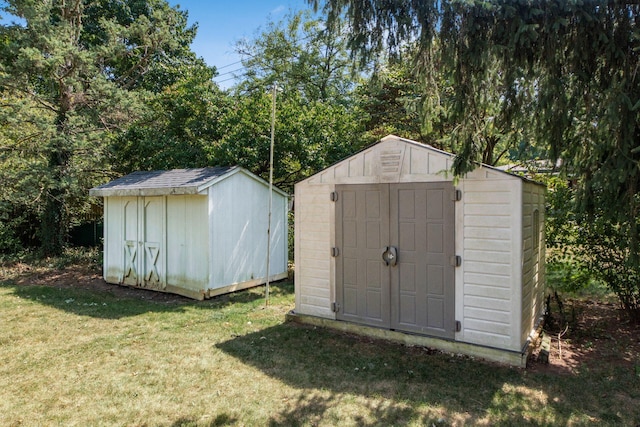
[(394, 261), (143, 242)]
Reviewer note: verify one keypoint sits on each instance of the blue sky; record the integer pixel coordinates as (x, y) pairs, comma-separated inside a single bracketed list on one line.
[(221, 23)]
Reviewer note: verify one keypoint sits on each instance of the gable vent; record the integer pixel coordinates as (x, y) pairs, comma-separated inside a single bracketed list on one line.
[(390, 161)]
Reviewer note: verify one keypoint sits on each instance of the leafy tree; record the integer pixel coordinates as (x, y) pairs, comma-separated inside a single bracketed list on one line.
[(316, 122), (565, 269), (308, 136), (177, 125), (299, 55), (390, 99), (566, 72), (22, 173), (78, 69)]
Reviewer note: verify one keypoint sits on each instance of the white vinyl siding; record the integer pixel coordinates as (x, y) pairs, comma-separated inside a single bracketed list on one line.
[(313, 241), (490, 205), (533, 279)]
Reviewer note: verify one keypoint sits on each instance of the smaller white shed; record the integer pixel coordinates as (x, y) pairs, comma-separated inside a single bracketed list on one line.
[(194, 232), (389, 244)]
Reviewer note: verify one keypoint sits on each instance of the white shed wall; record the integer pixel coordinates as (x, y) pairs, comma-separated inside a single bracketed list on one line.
[(187, 242), (533, 274), (314, 236), (488, 281), (113, 255), (238, 210), (208, 241)]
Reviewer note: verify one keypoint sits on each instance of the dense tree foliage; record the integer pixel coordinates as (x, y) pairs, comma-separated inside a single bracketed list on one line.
[(564, 74), (176, 127), (317, 121), (69, 74), (390, 101)]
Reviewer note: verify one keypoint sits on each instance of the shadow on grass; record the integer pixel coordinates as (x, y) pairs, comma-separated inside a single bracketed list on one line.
[(219, 421), (314, 408), (114, 302), (398, 385)]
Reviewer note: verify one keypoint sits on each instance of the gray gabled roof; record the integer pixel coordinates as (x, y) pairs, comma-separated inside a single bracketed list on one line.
[(162, 182)]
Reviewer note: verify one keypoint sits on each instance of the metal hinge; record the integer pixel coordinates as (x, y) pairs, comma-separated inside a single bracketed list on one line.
[(334, 196), (458, 326), (335, 307), (335, 252), (456, 260), (456, 196)]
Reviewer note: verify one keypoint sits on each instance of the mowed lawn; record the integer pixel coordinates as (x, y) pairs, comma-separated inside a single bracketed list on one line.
[(78, 356)]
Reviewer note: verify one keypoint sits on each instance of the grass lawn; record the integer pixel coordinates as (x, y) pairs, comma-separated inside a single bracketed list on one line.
[(78, 352)]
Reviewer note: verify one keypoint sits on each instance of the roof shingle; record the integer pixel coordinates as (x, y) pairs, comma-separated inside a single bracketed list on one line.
[(163, 182)]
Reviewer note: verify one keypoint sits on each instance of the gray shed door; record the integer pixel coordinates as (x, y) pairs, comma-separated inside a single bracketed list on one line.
[(362, 227), (395, 245)]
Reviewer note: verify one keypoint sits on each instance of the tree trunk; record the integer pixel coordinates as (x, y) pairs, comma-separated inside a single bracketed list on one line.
[(54, 221)]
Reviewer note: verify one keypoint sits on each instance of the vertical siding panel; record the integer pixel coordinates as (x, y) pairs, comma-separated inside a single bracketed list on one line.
[(419, 161), (517, 261), (163, 244), (239, 231), (212, 218), (533, 274), (543, 245), (314, 236), (460, 210), (114, 239), (528, 260), (198, 243), (105, 233), (356, 166), (491, 213), (176, 239), (187, 242)]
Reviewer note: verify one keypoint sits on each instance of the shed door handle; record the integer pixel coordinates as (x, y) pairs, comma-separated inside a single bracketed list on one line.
[(393, 255), (390, 256)]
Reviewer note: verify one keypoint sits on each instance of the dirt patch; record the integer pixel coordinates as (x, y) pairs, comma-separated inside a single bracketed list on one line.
[(585, 334), (79, 277)]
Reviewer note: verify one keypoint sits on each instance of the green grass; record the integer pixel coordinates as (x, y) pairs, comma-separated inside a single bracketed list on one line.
[(81, 356)]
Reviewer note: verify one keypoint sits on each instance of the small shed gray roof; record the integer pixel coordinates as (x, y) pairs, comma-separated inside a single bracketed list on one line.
[(162, 182), (175, 181)]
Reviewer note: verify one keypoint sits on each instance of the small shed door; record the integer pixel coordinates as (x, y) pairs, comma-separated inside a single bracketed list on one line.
[(143, 235), (362, 228), (393, 269)]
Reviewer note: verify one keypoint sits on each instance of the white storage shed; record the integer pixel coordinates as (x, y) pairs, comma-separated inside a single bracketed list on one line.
[(388, 244), (193, 232)]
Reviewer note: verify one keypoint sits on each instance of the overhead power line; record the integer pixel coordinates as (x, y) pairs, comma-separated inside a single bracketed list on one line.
[(229, 72), (229, 65)]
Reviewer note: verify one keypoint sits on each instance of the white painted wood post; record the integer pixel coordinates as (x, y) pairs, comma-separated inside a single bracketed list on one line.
[(273, 126)]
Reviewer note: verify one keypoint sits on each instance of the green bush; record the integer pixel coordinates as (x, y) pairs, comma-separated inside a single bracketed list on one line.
[(566, 271), (586, 248)]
